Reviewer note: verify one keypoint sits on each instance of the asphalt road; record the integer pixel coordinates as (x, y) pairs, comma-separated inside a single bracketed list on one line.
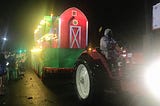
[(30, 90)]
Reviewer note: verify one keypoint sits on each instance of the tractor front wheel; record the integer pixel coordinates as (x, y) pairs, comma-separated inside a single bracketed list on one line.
[(88, 84), (83, 81)]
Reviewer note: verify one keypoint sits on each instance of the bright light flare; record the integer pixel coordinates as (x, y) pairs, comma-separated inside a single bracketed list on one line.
[(124, 55), (39, 26), (152, 78), (42, 22), (36, 31), (7, 63), (124, 51), (36, 50), (4, 38), (89, 48)]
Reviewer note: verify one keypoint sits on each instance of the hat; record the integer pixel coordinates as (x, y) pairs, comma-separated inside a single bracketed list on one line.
[(107, 31)]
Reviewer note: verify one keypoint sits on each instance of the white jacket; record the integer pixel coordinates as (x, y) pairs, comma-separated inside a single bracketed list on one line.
[(104, 41)]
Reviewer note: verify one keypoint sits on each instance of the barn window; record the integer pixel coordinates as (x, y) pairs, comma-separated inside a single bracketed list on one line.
[(74, 13)]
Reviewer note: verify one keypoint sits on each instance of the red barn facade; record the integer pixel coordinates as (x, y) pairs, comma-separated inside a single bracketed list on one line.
[(73, 29)]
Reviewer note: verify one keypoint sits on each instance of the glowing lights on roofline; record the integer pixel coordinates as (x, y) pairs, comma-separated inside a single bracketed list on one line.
[(42, 22), (47, 37), (36, 31)]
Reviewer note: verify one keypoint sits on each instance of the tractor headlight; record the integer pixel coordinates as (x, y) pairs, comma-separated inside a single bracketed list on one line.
[(152, 78)]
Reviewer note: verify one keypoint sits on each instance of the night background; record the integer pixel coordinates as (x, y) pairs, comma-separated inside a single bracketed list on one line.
[(129, 20)]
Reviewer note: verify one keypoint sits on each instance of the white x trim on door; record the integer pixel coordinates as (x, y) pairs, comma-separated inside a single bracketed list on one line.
[(75, 36)]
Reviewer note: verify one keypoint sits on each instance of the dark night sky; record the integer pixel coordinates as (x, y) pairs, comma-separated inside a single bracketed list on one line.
[(21, 17)]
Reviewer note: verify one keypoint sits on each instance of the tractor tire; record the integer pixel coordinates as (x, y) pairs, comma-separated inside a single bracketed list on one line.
[(88, 81)]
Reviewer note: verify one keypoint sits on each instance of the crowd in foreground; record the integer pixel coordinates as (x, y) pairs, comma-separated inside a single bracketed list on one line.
[(12, 66)]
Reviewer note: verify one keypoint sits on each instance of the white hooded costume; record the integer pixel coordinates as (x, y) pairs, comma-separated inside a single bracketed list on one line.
[(104, 42)]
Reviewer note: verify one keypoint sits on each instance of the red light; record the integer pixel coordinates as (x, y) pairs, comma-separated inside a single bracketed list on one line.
[(93, 50)]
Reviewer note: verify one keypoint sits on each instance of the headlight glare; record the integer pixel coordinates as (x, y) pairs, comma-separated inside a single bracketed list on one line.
[(152, 78)]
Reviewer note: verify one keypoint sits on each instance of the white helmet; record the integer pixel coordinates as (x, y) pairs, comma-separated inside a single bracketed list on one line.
[(106, 32)]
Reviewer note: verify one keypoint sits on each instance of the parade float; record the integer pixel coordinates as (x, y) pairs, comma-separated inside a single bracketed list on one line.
[(59, 41), (61, 45)]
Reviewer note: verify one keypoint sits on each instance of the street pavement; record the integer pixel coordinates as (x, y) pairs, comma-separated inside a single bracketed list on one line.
[(31, 91)]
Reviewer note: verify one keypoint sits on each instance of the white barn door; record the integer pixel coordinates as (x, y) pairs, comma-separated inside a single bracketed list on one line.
[(75, 36)]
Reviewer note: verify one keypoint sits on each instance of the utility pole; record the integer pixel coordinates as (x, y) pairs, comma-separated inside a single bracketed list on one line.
[(147, 36)]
